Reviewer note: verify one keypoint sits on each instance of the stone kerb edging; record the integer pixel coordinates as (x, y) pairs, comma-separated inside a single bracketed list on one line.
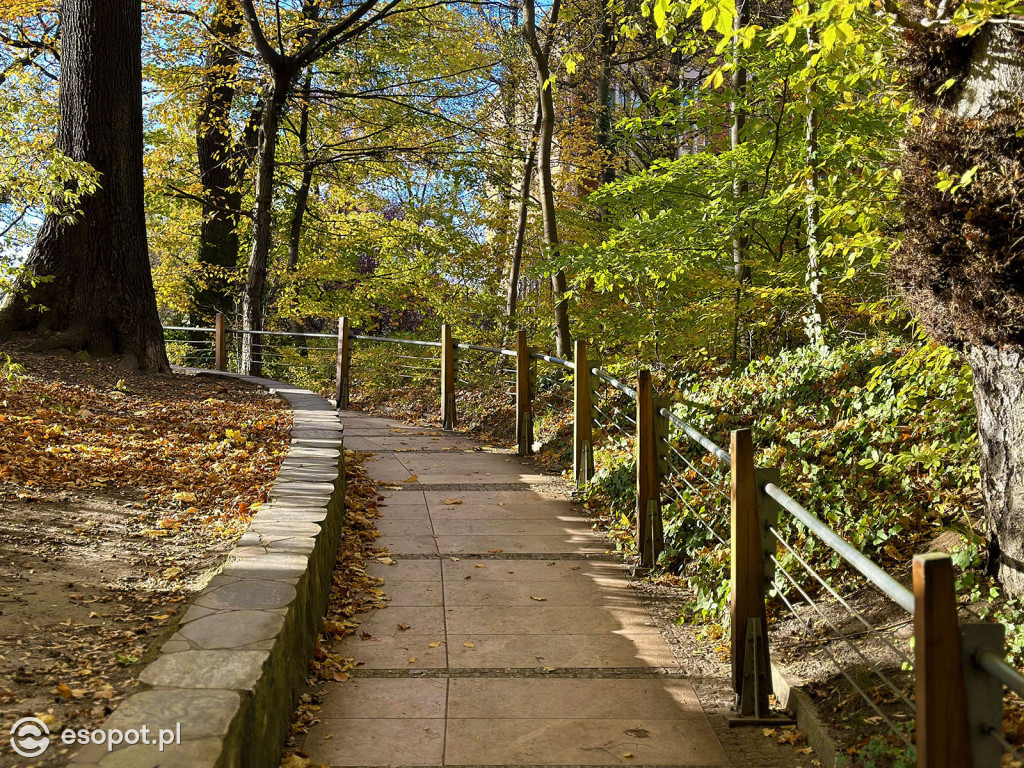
[(230, 674)]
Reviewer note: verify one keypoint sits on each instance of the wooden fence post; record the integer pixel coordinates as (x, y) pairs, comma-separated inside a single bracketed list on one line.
[(941, 738), (583, 418), (751, 678), (524, 397), (448, 417), (649, 536), (220, 343), (341, 393)]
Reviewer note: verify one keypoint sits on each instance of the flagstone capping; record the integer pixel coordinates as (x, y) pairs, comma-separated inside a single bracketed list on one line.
[(228, 679)]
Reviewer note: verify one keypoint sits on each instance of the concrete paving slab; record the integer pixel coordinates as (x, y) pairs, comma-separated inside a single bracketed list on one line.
[(504, 698), (576, 651), (415, 593), (396, 741), (497, 543), (359, 699), (405, 570), (582, 742), (403, 651), (523, 527), (599, 571), (543, 619), (490, 592)]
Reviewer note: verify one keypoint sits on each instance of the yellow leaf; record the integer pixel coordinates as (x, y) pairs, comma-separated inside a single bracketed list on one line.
[(412, 659), (469, 644), (412, 479), (538, 599), (434, 644)]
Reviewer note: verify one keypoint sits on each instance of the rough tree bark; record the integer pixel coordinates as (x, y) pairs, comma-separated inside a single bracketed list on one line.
[(100, 293), (961, 265), (541, 53)]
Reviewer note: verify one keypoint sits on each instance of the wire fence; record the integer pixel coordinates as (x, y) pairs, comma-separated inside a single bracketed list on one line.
[(824, 601)]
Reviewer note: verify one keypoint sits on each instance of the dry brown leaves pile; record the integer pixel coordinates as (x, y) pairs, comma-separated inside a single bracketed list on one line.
[(353, 592), (120, 494), (201, 448)]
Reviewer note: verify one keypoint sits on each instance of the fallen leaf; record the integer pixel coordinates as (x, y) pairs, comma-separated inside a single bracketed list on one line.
[(453, 501), (434, 644), (412, 659), (404, 627), (495, 551), (412, 479), (538, 599), (468, 644)]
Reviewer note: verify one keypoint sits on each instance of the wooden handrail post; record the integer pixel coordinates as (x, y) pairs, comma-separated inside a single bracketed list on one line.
[(448, 417), (583, 418), (220, 343), (649, 536), (524, 396), (751, 679), (341, 392), (941, 738)]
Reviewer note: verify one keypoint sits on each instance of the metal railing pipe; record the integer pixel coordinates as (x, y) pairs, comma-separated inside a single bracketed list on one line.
[(896, 591), (414, 342), (997, 666), (703, 440), (552, 359), (614, 382), (241, 332)]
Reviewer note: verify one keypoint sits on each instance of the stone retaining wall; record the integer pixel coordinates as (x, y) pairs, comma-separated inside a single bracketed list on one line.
[(229, 676)]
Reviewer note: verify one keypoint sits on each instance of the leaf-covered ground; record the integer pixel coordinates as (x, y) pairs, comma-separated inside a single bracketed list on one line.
[(120, 494)]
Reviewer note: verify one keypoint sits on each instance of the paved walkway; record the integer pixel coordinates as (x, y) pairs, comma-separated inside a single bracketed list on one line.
[(511, 637)]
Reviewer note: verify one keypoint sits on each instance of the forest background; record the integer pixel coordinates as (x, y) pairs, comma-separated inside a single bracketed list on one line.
[(716, 190)]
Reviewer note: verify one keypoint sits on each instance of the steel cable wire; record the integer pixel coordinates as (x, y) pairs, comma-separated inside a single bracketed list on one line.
[(840, 635), (853, 611), (863, 694), (700, 518)]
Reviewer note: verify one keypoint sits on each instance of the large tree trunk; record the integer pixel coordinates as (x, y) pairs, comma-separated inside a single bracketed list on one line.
[(220, 168), (100, 297), (999, 402), (256, 278), (960, 263)]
